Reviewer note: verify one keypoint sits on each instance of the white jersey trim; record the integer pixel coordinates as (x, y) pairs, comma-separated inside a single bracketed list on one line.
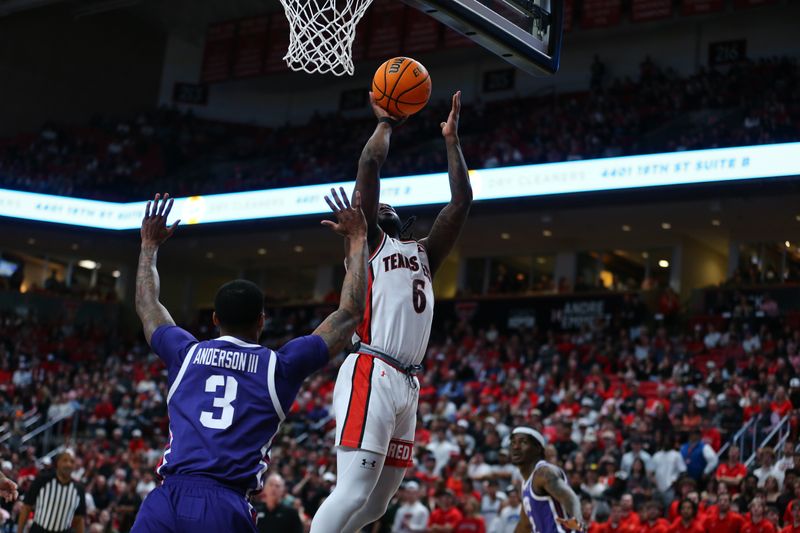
[(166, 452), (273, 391), (237, 342), (182, 371)]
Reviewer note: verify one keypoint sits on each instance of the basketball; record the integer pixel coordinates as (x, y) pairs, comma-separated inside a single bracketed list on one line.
[(402, 86)]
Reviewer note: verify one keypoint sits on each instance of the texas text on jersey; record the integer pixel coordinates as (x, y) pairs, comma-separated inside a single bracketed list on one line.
[(397, 320)]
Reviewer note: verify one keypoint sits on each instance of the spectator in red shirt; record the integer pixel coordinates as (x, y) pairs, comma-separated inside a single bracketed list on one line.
[(781, 403), (722, 519), (629, 517), (653, 523), (795, 502), (793, 525), (445, 517), (137, 443), (105, 409), (614, 523), (732, 471), (757, 523), (472, 522), (687, 522), (688, 489)]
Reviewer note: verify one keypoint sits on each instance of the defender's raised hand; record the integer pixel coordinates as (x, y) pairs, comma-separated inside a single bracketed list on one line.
[(450, 128), (350, 221), (154, 223)]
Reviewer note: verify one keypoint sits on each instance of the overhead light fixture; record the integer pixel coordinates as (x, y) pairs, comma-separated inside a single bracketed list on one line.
[(788, 244), (209, 255), (626, 228), (663, 263), (298, 249), (547, 233), (715, 222), (645, 255), (505, 236), (87, 263), (262, 251), (116, 274), (666, 225), (540, 260)]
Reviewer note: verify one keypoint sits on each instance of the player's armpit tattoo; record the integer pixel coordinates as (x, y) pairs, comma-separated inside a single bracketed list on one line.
[(551, 481)]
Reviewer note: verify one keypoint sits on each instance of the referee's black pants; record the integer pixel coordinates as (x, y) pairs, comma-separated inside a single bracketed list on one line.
[(36, 528)]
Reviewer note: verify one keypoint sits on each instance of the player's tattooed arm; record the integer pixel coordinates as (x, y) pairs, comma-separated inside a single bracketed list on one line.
[(448, 223), (154, 233), (338, 328), (373, 156), (549, 480)]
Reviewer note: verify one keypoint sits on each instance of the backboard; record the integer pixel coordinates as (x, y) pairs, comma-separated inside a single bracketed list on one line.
[(526, 33)]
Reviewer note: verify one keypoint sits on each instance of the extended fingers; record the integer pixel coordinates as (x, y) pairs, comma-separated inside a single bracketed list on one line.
[(147, 209), (164, 201), (169, 205), (344, 198), (337, 199), (330, 204)]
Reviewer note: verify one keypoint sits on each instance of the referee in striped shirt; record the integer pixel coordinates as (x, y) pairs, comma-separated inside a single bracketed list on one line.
[(58, 503)]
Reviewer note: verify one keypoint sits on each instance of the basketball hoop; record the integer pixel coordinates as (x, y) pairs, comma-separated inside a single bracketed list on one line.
[(321, 34)]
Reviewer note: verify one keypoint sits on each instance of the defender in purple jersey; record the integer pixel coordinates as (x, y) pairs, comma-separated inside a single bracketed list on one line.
[(228, 396), (548, 502)]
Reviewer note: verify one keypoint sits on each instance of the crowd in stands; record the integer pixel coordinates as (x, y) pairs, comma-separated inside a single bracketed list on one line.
[(634, 411), (755, 102)]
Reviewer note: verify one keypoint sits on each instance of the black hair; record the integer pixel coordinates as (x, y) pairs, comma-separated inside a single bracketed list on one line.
[(61, 455), (399, 229), (691, 503), (653, 504), (238, 304)]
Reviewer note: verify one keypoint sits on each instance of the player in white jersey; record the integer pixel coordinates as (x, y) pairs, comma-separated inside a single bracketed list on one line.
[(376, 394), (548, 503)]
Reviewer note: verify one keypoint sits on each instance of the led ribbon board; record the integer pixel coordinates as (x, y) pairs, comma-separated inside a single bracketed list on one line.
[(615, 173)]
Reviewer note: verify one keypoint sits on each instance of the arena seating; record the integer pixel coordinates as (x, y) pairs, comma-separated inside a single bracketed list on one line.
[(130, 157), (598, 394)]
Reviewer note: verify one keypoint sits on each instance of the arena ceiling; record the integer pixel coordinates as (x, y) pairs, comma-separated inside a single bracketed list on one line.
[(188, 18)]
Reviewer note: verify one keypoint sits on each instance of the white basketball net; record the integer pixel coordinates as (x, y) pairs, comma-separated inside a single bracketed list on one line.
[(321, 34)]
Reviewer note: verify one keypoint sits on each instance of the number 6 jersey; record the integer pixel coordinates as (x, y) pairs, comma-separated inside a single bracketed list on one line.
[(399, 311), (226, 401)]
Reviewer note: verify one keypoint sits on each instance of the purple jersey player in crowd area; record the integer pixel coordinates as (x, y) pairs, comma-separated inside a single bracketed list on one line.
[(227, 396), (549, 505)]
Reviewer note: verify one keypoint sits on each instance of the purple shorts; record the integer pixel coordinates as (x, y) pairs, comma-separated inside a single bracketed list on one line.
[(193, 503)]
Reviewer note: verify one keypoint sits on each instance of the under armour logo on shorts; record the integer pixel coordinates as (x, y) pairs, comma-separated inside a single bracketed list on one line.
[(368, 464)]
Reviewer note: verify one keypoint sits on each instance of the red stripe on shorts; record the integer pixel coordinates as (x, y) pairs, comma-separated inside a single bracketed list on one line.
[(356, 419)]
